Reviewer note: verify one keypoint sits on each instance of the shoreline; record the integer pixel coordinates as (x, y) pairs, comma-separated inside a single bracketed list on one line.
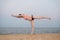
[(30, 37)]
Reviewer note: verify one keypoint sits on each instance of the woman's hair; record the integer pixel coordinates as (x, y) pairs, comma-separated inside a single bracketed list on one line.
[(20, 14)]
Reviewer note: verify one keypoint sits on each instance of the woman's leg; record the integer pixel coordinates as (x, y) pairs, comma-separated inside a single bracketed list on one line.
[(41, 17), (32, 24)]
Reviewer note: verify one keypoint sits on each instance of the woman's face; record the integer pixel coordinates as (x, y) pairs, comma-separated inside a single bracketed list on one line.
[(20, 15)]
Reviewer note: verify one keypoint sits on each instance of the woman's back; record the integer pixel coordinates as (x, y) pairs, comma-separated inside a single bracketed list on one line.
[(27, 17)]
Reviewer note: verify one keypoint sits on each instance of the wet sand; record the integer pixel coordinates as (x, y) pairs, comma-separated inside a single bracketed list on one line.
[(30, 37)]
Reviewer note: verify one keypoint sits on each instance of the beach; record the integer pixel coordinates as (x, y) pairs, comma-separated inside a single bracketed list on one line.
[(30, 37)]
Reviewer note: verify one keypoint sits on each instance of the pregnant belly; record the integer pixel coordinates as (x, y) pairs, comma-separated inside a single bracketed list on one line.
[(28, 19), (25, 18)]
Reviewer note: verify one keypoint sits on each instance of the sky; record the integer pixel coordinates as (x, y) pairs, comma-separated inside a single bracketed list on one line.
[(50, 8)]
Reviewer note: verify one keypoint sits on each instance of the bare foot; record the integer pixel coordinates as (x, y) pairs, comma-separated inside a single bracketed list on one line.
[(31, 32)]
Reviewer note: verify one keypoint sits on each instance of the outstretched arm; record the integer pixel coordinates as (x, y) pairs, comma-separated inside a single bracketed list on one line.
[(15, 15)]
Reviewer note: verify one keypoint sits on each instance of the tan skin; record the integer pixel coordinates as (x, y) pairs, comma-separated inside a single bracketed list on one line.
[(29, 18)]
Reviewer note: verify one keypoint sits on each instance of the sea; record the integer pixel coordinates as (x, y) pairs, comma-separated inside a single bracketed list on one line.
[(27, 30)]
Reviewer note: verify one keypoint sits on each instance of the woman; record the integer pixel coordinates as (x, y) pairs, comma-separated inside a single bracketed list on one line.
[(30, 18)]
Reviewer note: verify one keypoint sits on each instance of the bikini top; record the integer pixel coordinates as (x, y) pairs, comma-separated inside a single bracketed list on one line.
[(25, 17)]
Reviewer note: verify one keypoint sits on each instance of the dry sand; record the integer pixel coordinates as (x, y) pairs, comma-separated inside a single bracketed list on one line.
[(30, 37)]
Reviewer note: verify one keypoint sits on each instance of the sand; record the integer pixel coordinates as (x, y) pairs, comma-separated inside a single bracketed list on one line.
[(30, 37)]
